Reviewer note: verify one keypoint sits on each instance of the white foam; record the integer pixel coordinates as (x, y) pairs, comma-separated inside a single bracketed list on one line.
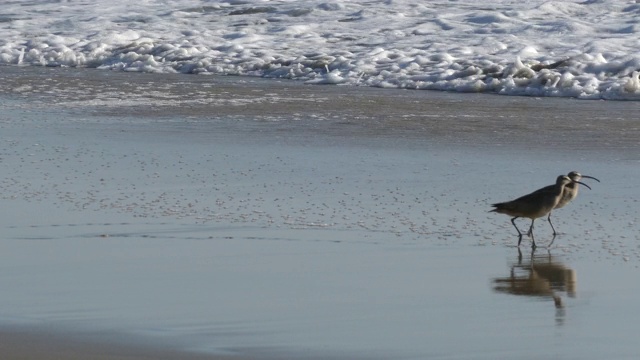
[(584, 49)]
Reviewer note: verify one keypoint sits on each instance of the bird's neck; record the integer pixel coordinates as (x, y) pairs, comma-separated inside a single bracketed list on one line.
[(560, 187), (571, 185)]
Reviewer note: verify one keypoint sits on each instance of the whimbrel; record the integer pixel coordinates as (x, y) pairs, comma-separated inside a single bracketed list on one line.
[(568, 194), (535, 205)]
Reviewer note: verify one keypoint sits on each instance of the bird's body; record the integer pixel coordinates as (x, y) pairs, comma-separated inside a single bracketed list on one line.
[(536, 204)]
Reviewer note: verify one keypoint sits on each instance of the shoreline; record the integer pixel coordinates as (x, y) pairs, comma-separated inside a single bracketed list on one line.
[(345, 113)]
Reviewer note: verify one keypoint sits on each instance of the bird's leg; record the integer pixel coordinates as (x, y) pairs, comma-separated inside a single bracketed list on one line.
[(530, 232), (513, 221), (552, 228), (533, 240), (519, 240), (552, 240)]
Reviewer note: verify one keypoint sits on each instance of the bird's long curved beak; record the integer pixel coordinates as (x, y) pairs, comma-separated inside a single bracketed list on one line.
[(590, 177), (581, 183)]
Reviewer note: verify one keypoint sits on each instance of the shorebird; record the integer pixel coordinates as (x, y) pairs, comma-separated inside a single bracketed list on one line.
[(568, 194), (535, 205)]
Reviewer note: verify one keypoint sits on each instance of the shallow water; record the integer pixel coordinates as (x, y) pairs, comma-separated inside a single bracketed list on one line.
[(317, 234), (308, 295)]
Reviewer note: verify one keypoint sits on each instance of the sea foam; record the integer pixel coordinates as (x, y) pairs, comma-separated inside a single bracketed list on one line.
[(582, 49)]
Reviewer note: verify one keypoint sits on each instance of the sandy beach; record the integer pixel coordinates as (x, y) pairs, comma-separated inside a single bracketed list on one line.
[(200, 217)]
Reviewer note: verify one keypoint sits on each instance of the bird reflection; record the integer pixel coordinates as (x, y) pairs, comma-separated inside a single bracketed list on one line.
[(539, 275)]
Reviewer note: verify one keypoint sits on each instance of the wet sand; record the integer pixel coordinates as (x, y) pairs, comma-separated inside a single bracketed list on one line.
[(36, 344), (173, 216)]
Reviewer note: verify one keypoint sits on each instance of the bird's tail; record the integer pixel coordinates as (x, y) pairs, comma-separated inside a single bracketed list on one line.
[(498, 207)]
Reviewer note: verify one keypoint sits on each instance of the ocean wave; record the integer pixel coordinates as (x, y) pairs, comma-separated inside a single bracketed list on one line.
[(562, 48)]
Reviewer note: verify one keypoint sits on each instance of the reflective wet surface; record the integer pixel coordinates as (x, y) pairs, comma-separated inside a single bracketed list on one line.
[(245, 237), (540, 275)]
